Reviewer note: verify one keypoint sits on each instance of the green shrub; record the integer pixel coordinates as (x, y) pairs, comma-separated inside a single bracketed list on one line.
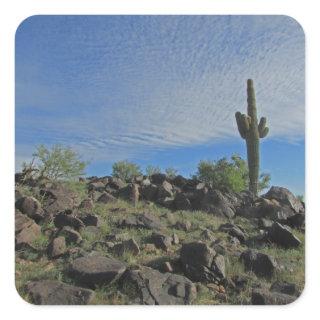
[(57, 163), (227, 175), (171, 172), (125, 170), (150, 170)]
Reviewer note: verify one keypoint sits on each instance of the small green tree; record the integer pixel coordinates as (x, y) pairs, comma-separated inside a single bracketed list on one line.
[(171, 172), (227, 175), (57, 163), (125, 170), (150, 170)]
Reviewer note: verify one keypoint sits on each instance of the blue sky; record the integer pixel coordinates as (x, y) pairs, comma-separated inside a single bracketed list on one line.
[(160, 90)]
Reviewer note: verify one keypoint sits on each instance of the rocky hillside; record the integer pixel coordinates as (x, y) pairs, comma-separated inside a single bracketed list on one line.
[(156, 241)]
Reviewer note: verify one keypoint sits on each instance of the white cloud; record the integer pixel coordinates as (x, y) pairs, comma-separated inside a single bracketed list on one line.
[(181, 87)]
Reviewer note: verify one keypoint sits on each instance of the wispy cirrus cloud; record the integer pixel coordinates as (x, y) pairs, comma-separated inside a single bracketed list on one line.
[(118, 87)]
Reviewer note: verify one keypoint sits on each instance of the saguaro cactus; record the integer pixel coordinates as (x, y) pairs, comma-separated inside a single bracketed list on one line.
[(251, 131)]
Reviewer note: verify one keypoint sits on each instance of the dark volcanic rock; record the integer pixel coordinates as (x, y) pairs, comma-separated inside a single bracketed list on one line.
[(50, 292), (149, 192), (158, 178), (214, 202), (57, 247), (261, 264), (26, 232), (96, 186), (181, 202), (116, 183), (265, 297), (31, 207), (127, 246), (183, 225), (86, 204), (90, 220), (179, 181), (57, 199), (283, 287), (61, 220), (106, 198), (285, 197), (161, 241), (200, 262), (144, 220), (96, 270), (156, 288), (165, 190), (234, 231), (71, 236), (283, 236)]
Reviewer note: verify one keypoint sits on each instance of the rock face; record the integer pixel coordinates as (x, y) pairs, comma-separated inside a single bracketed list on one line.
[(26, 230), (285, 197), (49, 292), (261, 264), (214, 202), (263, 297), (31, 207), (283, 236), (96, 270), (156, 288), (201, 263), (57, 199)]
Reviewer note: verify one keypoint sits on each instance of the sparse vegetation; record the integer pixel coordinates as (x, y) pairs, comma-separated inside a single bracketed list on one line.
[(125, 170)]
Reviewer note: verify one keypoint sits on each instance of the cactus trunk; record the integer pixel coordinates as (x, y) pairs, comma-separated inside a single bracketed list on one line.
[(251, 131)]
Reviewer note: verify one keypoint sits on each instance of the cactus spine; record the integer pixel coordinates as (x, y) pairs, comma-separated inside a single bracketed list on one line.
[(251, 131)]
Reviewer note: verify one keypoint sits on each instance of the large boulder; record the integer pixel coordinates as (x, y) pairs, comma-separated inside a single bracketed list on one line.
[(58, 198), (201, 263), (130, 193), (31, 207), (181, 202), (215, 202), (96, 270), (283, 236), (158, 178), (149, 192), (63, 219), (165, 190), (51, 292), (26, 231), (261, 264), (156, 288), (285, 197)]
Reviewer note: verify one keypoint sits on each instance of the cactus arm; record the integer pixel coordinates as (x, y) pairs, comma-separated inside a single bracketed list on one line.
[(264, 133), (241, 128)]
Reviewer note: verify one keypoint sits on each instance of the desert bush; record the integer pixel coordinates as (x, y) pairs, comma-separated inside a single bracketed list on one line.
[(55, 163), (125, 170), (150, 170), (228, 175), (171, 172)]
